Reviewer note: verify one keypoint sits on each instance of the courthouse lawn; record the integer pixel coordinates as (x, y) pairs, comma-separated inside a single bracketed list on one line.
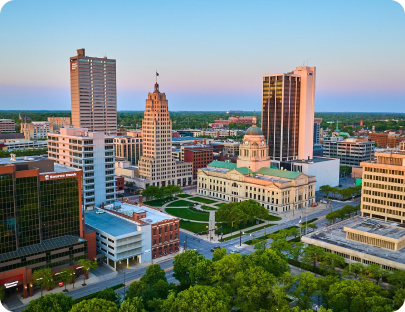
[(180, 203), (184, 195), (185, 213), (157, 202), (194, 227), (207, 207), (203, 200)]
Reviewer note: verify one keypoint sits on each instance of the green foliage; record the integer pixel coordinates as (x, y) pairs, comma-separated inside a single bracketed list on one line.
[(182, 265), (87, 265), (50, 303), (203, 200), (132, 305), (195, 227), (43, 278), (354, 269), (66, 276), (326, 189), (399, 298), (2, 293), (95, 305), (397, 279), (180, 203), (345, 212), (270, 260), (307, 286), (240, 213), (94, 295), (30, 152), (198, 298), (218, 254), (158, 193), (110, 295), (313, 254), (186, 213)]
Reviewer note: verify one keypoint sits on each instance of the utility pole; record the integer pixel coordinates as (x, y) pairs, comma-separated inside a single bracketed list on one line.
[(240, 239), (124, 284)]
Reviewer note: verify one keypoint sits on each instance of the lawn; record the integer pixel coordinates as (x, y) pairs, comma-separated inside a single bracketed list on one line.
[(272, 218), (180, 203), (184, 195), (219, 205), (203, 200), (157, 202), (194, 227), (189, 214), (207, 207), (227, 229)]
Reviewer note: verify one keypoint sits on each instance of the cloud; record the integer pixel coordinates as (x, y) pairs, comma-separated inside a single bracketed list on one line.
[(2, 3), (401, 2)]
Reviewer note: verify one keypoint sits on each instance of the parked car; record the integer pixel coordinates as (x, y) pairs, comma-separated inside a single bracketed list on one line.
[(213, 249), (99, 211), (314, 204), (324, 201), (235, 251)]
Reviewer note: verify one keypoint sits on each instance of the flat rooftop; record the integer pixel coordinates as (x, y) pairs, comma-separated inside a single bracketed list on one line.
[(335, 235), (152, 215), (377, 227), (110, 223)]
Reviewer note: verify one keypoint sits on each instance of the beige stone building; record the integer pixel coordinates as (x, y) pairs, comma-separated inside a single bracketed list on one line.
[(252, 177), (59, 122), (156, 165), (129, 147), (383, 191), (93, 93), (36, 129)]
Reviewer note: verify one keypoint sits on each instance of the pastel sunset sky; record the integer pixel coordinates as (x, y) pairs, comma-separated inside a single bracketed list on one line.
[(210, 55)]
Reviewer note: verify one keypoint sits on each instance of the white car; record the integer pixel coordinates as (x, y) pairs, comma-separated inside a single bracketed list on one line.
[(324, 201), (99, 211)]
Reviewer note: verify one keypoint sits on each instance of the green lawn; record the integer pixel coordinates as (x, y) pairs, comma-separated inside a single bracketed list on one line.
[(184, 195), (194, 227), (189, 214), (180, 203), (207, 207), (157, 202), (227, 229), (203, 200), (273, 218), (219, 205)]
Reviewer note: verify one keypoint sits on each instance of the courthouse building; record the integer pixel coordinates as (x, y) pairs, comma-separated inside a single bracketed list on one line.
[(253, 177)]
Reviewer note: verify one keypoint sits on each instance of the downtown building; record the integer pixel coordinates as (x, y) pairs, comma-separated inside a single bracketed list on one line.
[(288, 114), (351, 152), (41, 221), (36, 130), (378, 235), (129, 146), (7, 125), (92, 152), (93, 93), (156, 165)]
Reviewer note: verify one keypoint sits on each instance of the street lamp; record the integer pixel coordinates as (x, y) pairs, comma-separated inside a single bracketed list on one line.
[(73, 279)]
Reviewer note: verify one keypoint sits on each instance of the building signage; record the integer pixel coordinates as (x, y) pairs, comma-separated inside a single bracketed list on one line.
[(12, 281), (73, 66), (48, 177)]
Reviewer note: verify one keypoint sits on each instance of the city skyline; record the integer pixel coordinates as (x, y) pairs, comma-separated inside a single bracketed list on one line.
[(196, 51)]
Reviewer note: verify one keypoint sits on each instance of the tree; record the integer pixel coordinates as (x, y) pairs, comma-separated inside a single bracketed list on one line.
[(330, 261), (307, 286), (87, 265), (270, 260), (375, 271), (182, 265), (324, 287), (43, 278), (198, 298), (281, 245), (132, 305), (110, 295), (354, 269), (66, 276), (151, 191), (201, 273), (326, 189), (296, 250), (218, 254), (52, 303), (334, 191), (313, 254), (397, 279), (154, 273), (95, 305), (259, 244), (253, 288), (399, 298)]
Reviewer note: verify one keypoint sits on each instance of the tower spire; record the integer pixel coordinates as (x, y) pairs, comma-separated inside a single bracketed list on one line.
[(156, 84)]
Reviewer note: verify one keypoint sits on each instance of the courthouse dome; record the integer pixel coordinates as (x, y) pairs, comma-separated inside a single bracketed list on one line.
[(254, 131)]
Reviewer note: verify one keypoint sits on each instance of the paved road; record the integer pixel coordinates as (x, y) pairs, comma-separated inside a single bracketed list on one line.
[(202, 246)]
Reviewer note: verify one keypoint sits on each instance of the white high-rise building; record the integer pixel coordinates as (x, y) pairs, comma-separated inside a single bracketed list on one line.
[(93, 152), (156, 165)]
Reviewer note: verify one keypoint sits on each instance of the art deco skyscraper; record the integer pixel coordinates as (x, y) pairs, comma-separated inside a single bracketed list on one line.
[(157, 166), (93, 93), (288, 113)]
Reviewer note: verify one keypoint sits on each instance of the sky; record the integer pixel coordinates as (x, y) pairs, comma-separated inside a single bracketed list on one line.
[(210, 55)]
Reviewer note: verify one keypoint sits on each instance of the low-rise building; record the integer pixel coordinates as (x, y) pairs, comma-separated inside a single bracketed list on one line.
[(59, 122), (132, 233), (7, 125), (36, 130), (199, 155), (351, 152), (227, 148), (216, 134), (129, 147), (386, 140), (119, 185), (11, 137), (23, 145)]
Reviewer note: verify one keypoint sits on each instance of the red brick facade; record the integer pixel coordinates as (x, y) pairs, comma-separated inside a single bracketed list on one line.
[(165, 238), (199, 156)]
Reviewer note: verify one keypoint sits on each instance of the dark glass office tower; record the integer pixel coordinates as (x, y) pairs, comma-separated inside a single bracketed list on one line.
[(288, 113)]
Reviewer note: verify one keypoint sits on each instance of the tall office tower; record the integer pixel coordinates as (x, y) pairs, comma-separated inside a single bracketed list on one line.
[(288, 113), (156, 165), (93, 152), (317, 130), (93, 93)]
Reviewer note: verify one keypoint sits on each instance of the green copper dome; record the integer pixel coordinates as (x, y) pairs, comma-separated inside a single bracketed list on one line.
[(254, 131)]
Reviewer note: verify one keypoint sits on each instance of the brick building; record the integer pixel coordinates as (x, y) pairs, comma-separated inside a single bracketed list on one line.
[(199, 155)]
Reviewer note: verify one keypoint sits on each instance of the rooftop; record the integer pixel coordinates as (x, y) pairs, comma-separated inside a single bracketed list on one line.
[(335, 235), (152, 215), (222, 164), (9, 136), (377, 227), (278, 173), (110, 223)]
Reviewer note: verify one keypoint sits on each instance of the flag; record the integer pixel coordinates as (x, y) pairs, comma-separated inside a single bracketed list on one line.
[(19, 116), (157, 74), (300, 220)]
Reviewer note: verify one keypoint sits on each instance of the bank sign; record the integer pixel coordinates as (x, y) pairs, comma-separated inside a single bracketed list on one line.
[(47, 177)]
